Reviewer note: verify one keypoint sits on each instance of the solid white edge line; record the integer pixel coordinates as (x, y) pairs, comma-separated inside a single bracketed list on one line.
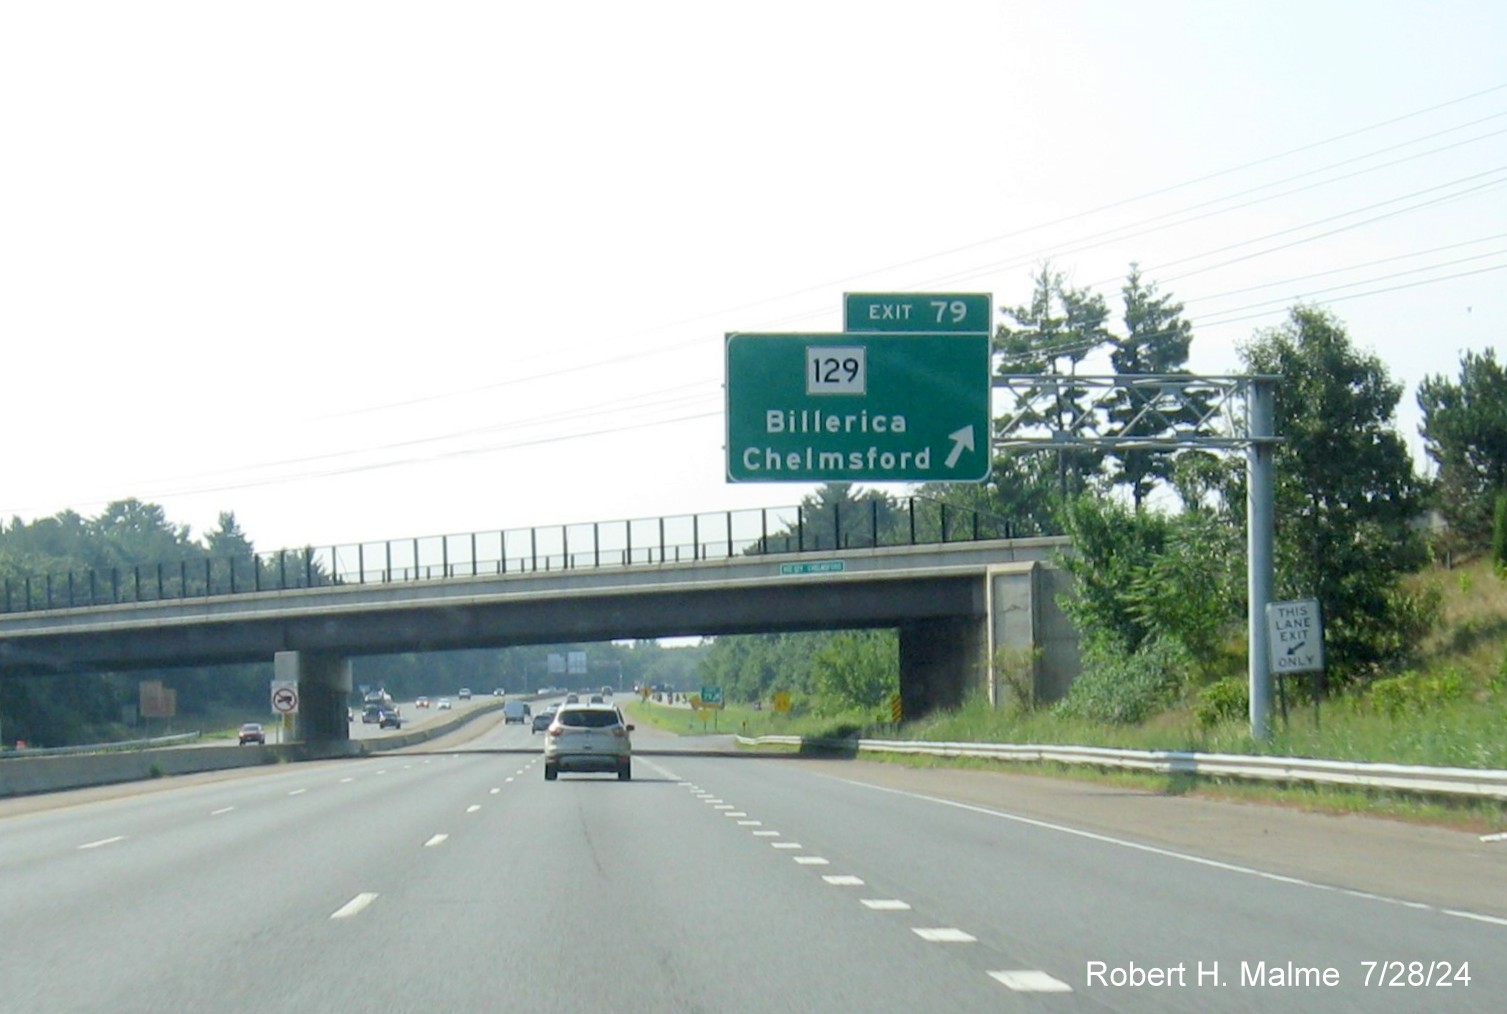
[(353, 906), (1494, 837), (1475, 915), (438, 839), (1030, 981), (103, 841), (1186, 857)]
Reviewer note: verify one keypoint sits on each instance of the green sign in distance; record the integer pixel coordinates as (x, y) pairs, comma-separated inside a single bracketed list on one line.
[(814, 567), (711, 697), (918, 312), (858, 407)]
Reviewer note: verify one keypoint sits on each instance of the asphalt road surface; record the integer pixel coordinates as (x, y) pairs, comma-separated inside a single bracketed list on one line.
[(457, 879)]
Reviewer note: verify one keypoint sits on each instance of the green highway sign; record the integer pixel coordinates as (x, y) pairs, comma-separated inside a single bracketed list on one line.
[(854, 407), (917, 312), (814, 567), (711, 697)]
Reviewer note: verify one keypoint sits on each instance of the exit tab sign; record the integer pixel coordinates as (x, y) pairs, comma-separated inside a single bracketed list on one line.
[(917, 312)]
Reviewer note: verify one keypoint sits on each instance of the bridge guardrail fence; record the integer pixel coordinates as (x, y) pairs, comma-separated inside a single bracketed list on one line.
[(1422, 779), (680, 538)]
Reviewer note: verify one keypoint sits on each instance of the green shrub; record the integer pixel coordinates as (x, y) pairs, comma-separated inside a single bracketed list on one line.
[(1123, 688), (1414, 693), (1499, 537), (1225, 700)]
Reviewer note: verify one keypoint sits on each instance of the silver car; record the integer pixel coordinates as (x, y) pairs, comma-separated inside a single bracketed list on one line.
[(588, 737)]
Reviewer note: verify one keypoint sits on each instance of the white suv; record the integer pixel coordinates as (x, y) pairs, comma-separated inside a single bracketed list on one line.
[(588, 737)]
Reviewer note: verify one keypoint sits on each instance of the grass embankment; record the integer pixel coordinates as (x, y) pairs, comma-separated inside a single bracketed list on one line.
[(1451, 710)]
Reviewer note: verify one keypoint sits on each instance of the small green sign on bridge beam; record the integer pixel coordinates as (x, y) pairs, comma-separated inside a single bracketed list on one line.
[(859, 407)]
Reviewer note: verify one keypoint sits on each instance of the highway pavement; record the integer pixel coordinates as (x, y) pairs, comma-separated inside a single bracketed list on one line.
[(457, 879)]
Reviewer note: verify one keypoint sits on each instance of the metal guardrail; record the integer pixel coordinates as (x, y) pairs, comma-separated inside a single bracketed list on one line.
[(1423, 779), (721, 535), (124, 746)]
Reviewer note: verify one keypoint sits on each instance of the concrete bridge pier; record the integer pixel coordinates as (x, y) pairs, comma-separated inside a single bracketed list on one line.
[(940, 660), (324, 691)]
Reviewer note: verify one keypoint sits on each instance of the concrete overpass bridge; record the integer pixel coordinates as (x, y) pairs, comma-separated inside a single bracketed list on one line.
[(957, 589)]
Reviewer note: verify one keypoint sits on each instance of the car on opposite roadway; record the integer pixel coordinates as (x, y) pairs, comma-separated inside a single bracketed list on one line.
[(465, 693), (252, 732), (422, 702), (543, 718), (389, 719), (444, 704), (588, 737)]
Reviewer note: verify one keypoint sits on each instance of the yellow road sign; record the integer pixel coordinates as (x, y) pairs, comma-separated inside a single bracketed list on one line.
[(782, 701), (895, 709)]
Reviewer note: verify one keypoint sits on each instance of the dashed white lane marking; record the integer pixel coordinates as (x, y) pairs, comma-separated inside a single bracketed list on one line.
[(223, 809), (734, 813), (843, 880), (723, 806), (345, 781), (766, 834), (943, 935), (353, 906), (438, 839), (811, 861), (298, 792), (494, 792), (103, 841), (382, 772), (1026, 981), (886, 904), (507, 779), (750, 823), (473, 808), (786, 844)]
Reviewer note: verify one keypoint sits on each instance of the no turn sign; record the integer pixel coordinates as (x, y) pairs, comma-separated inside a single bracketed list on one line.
[(284, 697)]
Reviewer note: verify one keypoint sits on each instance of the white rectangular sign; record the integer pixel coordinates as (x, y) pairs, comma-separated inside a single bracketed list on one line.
[(1294, 636)]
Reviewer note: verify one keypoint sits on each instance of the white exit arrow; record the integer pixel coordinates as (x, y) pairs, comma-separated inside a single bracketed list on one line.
[(962, 440)]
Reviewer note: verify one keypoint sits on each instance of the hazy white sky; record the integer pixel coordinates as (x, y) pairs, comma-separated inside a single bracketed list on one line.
[(369, 270)]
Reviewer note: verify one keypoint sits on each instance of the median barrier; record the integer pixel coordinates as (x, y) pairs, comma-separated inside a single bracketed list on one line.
[(22, 774)]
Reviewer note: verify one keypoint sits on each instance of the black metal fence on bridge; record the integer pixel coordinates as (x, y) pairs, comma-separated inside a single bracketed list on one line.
[(647, 541)]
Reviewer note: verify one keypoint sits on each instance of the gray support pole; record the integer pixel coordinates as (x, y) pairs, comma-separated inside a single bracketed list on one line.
[(1260, 528)]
